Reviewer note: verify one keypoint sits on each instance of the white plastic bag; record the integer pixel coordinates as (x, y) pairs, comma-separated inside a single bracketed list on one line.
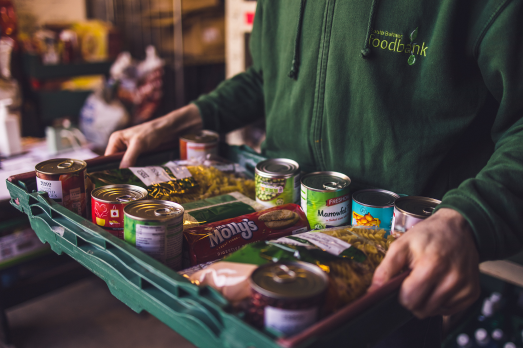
[(99, 119)]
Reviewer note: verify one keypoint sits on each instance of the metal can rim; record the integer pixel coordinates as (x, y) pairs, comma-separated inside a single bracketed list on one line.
[(341, 175), (81, 162), (151, 219), (376, 206), (310, 267), (134, 187), (414, 214), (277, 176), (216, 135)]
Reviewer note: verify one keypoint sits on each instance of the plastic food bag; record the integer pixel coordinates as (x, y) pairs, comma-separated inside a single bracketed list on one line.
[(214, 240), (231, 279), (180, 184), (218, 208)]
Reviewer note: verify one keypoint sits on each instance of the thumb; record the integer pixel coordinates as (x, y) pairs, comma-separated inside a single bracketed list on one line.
[(131, 155), (395, 260)]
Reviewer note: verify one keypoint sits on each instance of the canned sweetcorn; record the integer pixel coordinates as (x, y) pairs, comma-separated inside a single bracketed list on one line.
[(64, 181), (201, 144), (107, 203), (156, 228), (325, 199), (373, 207), (277, 182), (286, 296), (410, 210)]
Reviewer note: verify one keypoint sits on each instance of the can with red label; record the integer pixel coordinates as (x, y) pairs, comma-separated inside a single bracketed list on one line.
[(64, 181), (325, 199), (107, 203), (201, 144), (410, 210)]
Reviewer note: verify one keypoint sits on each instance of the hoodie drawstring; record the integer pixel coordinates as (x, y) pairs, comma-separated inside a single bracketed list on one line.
[(293, 73), (365, 52)]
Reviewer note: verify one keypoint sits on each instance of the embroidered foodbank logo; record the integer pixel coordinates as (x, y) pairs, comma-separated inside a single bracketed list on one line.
[(394, 42)]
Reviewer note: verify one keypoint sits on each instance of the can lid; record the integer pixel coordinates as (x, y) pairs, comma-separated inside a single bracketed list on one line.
[(325, 181), (375, 198), (60, 166), (417, 206), (201, 137), (277, 167), (289, 280), (152, 210), (118, 194)]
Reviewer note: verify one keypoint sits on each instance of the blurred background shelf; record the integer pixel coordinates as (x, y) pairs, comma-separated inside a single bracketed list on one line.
[(34, 68)]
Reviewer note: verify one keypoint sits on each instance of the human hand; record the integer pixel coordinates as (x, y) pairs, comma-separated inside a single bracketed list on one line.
[(148, 136), (444, 263)]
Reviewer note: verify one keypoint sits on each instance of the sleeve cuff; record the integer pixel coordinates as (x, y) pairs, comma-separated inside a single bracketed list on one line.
[(207, 112)]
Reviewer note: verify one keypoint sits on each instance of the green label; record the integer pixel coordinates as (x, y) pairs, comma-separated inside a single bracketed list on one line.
[(274, 191), (325, 209), (160, 240)]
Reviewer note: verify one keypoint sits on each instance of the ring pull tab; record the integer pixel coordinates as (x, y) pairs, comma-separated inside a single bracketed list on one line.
[(284, 275), (125, 198), (164, 211), (333, 186), (65, 164), (428, 211)]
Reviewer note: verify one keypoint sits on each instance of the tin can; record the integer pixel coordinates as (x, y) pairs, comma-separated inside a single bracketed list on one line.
[(286, 296), (64, 181), (410, 210), (156, 228), (277, 182), (107, 203), (201, 144), (325, 199), (373, 207)]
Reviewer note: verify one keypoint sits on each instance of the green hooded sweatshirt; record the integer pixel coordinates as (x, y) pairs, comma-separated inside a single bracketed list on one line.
[(417, 97)]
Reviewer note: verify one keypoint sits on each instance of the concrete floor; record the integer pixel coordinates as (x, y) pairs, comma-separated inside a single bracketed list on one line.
[(86, 315)]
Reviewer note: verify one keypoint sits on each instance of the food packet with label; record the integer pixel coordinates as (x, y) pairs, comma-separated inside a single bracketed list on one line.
[(350, 266), (218, 208), (231, 279), (177, 183), (214, 240)]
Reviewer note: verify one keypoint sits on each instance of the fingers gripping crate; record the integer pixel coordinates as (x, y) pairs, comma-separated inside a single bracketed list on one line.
[(200, 314)]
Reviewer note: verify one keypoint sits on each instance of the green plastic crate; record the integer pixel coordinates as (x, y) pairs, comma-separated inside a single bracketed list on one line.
[(200, 314)]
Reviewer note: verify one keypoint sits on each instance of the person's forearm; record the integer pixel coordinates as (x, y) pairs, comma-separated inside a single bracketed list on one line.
[(184, 120)]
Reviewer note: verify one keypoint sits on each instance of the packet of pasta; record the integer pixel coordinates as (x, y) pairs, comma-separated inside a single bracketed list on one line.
[(177, 183)]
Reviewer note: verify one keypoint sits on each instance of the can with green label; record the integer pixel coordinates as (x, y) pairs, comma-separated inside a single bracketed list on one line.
[(277, 182), (156, 228), (325, 199)]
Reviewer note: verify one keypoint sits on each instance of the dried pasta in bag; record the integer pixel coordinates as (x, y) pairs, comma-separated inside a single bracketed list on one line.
[(173, 182)]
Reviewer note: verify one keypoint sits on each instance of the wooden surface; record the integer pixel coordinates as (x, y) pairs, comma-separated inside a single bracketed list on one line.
[(505, 270)]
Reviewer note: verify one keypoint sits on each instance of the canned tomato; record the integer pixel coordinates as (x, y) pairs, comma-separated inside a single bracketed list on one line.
[(107, 203), (156, 228), (325, 199), (193, 146), (286, 296), (373, 207), (410, 210), (64, 181), (277, 182)]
